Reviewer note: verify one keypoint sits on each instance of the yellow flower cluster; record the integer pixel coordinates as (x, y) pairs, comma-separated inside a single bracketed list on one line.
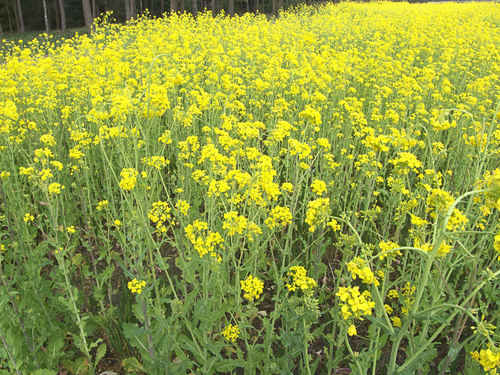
[(356, 304), (159, 214), (318, 187), (493, 188), (55, 188), (231, 332), (204, 240), (489, 359), (387, 246), (298, 279), (443, 250), (182, 206), (496, 244), (158, 162), (28, 218), (279, 217), (317, 212), (135, 286), (238, 224), (358, 268), (101, 205), (128, 178), (252, 288)]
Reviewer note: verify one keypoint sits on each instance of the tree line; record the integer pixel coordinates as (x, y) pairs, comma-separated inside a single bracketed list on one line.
[(34, 15)]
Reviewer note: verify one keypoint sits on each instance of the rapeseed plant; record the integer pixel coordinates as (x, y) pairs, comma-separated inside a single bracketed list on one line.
[(346, 154)]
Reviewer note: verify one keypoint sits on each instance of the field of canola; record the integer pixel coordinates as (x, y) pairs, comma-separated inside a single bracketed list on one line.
[(314, 194)]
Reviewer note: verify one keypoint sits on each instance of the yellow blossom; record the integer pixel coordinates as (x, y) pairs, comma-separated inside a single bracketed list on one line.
[(252, 288), (231, 332), (136, 286), (55, 188)]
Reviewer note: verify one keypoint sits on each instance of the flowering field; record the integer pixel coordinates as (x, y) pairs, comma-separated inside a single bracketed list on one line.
[(315, 194)]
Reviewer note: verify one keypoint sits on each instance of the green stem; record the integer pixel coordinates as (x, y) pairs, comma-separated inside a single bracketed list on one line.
[(306, 354), (358, 365), (10, 355), (448, 321), (439, 236)]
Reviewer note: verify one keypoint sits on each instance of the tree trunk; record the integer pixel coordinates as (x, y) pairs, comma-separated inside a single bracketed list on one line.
[(62, 12), (45, 16), (87, 14), (94, 9), (174, 6), (162, 6), (55, 11), (214, 8), (275, 7), (1, 31), (230, 8), (9, 19), (195, 8), (127, 10), (133, 9), (20, 19), (181, 6)]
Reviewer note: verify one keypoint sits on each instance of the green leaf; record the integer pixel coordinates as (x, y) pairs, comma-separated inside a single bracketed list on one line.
[(77, 259), (191, 346), (45, 372), (54, 347), (424, 358), (379, 322), (100, 353), (132, 364), (78, 366)]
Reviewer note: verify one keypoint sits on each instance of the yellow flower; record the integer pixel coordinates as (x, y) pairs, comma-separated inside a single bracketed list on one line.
[(136, 286), (489, 358), (231, 332), (28, 218), (71, 229), (318, 187), (129, 178), (298, 279), (396, 321), (26, 171), (496, 244), (182, 206), (288, 187), (160, 215), (358, 268), (101, 205), (317, 212), (352, 330), (279, 217), (55, 188), (252, 288), (387, 246), (157, 162), (355, 304), (234, 223)]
